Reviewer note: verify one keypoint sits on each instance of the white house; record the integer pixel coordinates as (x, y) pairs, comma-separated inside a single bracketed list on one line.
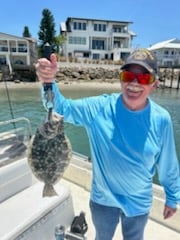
[(96, 39), (16, 50), (167, 52)]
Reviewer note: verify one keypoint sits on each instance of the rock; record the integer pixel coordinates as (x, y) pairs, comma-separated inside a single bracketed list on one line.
[(17, 81), (87, 74)]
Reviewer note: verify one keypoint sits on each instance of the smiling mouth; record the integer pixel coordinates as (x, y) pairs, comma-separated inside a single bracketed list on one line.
[(134, 88)]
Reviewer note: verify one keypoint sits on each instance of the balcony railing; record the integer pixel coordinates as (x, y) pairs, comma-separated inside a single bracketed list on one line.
[(13, 49), (3, 49)]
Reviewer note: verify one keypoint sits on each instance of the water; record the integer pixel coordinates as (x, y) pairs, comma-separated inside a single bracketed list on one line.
[(27, 102)]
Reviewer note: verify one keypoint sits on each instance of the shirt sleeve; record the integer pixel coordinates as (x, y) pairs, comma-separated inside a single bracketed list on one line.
[(76, 111), (168, 167)]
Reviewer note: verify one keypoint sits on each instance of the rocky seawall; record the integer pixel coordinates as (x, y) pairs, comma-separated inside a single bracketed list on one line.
[(169, 78), (100, 74), (70, 72)]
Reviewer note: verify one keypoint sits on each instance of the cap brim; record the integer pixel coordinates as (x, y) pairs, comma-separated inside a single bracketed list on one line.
[(147, 67)]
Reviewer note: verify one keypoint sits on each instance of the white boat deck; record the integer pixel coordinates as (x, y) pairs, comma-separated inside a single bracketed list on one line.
[(29, 216), (154, 230)]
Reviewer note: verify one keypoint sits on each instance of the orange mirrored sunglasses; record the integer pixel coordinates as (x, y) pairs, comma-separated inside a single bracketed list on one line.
[(142, 78)]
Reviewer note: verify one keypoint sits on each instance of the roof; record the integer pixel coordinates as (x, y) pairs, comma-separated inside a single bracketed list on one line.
[(131, 33), (99, 20), (173, 43), (7, 36)]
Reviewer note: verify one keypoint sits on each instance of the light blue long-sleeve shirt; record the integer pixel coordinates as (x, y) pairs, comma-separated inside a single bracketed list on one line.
[(126, 148)]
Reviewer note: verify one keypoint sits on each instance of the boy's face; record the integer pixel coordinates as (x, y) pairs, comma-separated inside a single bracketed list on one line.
[(135, 94)]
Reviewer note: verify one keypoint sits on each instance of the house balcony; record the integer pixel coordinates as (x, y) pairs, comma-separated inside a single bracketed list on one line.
[(13, 49), (120, 34)]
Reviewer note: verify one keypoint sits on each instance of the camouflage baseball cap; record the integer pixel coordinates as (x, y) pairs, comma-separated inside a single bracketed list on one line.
[(144, 58)]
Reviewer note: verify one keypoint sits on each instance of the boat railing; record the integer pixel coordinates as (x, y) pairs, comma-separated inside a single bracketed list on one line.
[(15, 135), (15, 121)]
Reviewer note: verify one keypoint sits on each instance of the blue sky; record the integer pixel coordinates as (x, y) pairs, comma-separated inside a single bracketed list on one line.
[(153, 20)]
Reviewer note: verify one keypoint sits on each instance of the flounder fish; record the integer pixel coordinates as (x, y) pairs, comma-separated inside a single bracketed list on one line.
[(49, 153)]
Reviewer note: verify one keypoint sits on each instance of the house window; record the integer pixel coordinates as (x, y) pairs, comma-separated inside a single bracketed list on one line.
[(79, 25), (86, 54), (4, 49), (19, 62), (98, 44), (77, 40), (100, 27), (2, 60), (117, 29), (22, 47), (96, 56)]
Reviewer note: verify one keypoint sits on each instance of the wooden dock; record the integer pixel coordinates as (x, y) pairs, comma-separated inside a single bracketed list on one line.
[(170, 78)]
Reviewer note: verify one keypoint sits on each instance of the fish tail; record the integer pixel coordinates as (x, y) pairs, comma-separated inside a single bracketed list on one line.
[(49, 191)]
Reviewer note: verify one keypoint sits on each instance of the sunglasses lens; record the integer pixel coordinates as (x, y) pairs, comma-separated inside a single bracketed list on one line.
[(142, 78), (126, 76)]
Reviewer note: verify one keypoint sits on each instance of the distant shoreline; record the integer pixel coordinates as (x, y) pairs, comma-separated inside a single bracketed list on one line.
[(64, 85)]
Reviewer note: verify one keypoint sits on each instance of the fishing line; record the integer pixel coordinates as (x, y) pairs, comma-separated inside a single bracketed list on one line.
[(9, 101)]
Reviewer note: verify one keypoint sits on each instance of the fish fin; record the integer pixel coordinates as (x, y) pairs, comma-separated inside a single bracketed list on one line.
[(49, 191)]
